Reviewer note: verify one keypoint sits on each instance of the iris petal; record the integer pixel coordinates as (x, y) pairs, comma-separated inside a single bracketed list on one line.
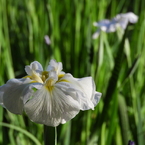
[(34, 67), (15, 91), (84, 88), (88, 87), (51, 108), (55, 66)]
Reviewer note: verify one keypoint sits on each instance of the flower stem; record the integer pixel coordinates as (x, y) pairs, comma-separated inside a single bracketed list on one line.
[(50, 135), (55, 135)]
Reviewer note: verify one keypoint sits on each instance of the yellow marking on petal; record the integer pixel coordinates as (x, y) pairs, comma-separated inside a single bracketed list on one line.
[(33, 82), (49, 82), (49, 88), (36, 78), (49, 85), (61, 80), (27, 77), (30, 78), (44, 75), (60, 76)]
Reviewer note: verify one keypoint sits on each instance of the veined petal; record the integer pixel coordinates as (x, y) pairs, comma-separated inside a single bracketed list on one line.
[(84, 88), (13, 94), (34, 67), (51, 108), (96, 98), (55, 66), (51, 79), (28, 90), (88, 87), (34, 71)]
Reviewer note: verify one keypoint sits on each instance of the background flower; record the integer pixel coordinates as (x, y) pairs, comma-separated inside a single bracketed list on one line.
[(120, 20)]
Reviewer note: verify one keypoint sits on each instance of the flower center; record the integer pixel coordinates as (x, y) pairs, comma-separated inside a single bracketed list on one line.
[(44, 75), (49, 84), (38, 79), (45, 79)]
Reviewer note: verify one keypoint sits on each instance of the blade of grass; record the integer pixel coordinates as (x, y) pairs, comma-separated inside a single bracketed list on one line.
[(6, 43), (33, 138), (112, 85), (125, 131), (113, 119), (140, 133)]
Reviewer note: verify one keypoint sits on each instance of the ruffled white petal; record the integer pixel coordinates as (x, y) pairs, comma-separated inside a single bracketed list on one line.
[(51, 108), (34, 67), (55, 66), (69, 89), (28, 90), (51, 80), (96, 98), (88, 87), (84, 88), (14, 93), (34, 70)]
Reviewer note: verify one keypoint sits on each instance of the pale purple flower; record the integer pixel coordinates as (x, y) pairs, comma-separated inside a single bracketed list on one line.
[(47, 40), (119, 21)]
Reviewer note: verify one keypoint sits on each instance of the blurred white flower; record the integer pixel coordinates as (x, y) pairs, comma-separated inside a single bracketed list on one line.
[(47, 40), (120, 20), (49, 97)]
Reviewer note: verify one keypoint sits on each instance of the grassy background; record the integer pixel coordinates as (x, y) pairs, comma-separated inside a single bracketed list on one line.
[(114, 60)]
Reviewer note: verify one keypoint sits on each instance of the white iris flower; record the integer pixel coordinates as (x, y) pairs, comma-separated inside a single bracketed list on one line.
[(119, 21), (49, 97)]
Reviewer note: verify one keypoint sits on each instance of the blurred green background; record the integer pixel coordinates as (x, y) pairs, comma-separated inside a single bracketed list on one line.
[(116, 63)]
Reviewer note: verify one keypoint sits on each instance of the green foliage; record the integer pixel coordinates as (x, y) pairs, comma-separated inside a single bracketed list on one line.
[(115, 60)]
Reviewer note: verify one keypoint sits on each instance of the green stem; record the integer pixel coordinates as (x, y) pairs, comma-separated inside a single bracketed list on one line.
[(50, 135), (55, 135)]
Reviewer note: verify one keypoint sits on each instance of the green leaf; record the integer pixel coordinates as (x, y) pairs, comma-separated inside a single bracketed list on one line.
[(28, 134)]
